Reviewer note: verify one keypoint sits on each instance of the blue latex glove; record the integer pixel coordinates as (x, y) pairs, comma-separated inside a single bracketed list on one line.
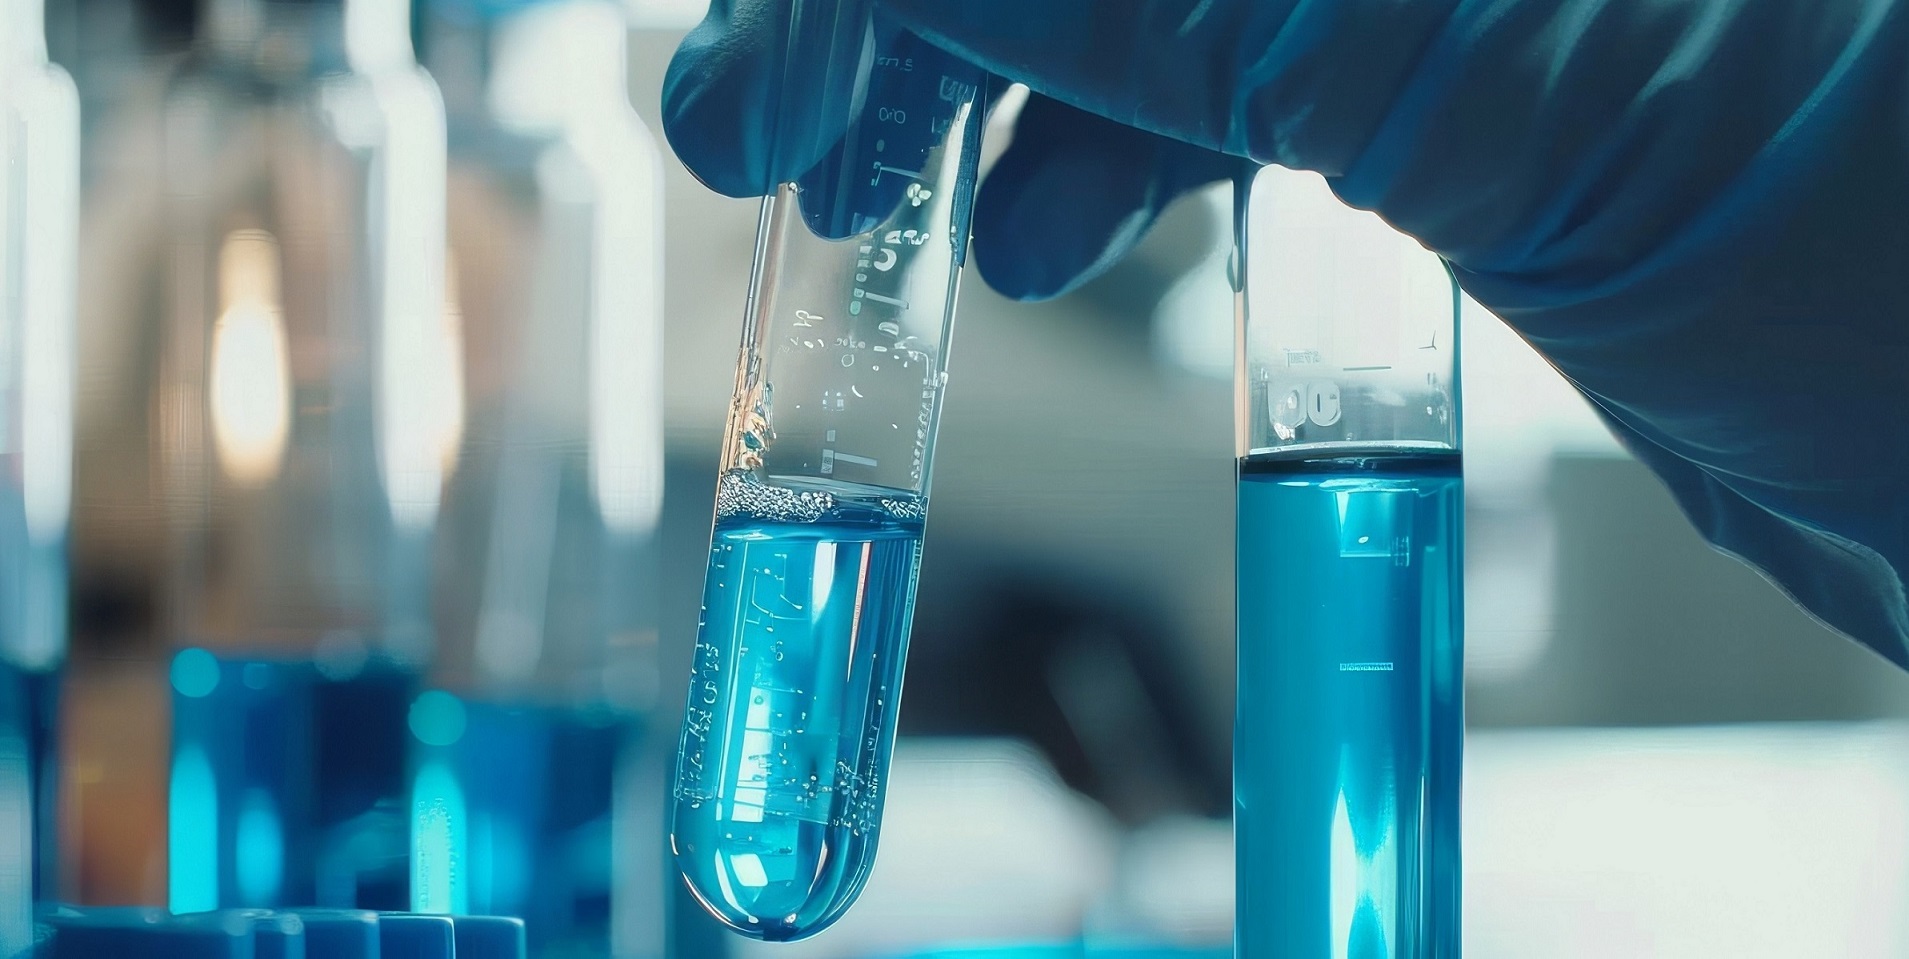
[(1698, 210)]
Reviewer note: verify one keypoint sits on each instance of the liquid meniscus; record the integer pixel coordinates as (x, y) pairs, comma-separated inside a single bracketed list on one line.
[(1350, 724), (792, 702)]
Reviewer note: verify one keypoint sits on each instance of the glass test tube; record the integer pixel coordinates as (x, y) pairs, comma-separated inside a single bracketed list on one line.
[(39, 206), (296, 443), (823, 489), (1350, 720), (544, 668)]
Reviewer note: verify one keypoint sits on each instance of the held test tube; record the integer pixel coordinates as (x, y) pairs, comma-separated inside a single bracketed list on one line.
[(1350, 723), (817, 538)]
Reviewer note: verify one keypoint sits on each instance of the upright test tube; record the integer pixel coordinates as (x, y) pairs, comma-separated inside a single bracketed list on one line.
[(545, 581), (1350, 722), (819, 507), (39, 207), (300, 388)]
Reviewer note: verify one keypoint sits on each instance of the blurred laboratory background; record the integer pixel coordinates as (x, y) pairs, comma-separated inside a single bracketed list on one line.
[(366, 364)]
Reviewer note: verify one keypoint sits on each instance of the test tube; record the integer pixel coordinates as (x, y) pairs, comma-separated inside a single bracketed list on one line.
[(39, 209), (301, 362), (1350, 721), (542, 670), (823, 487)]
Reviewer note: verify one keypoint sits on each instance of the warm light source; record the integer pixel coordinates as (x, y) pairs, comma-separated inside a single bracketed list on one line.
[(250, 380)]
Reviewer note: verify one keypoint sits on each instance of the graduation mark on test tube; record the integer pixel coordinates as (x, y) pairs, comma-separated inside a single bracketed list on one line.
[(881, 168)]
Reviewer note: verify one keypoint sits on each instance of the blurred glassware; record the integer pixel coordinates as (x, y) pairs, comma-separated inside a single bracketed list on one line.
[(546, 578), (39, 204), (304, 406), (18, 819)]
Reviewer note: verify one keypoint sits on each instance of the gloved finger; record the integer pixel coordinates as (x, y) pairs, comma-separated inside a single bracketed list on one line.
[(761, 90), (862, 180), (1073, 193), (1299, 84)]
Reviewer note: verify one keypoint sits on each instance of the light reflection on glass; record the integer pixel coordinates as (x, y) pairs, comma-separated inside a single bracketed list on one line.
[(193, 827), (1365, 874), (260, 838), (448, 402), (438, 841), (17, 824), (561, 72), (250, 377)]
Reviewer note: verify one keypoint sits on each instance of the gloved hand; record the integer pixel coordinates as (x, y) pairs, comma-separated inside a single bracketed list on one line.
[(1698, 210)]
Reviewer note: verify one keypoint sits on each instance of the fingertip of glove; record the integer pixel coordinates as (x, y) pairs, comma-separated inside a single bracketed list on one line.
[(1023, 267), (712, 114), (1051, 217)]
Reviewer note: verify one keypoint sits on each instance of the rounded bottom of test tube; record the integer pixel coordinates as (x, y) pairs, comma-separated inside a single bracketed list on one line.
[(778, 881)]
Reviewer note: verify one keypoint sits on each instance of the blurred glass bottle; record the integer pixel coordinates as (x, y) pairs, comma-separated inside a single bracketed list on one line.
[(305, 407), (39, 195), (546, 570)]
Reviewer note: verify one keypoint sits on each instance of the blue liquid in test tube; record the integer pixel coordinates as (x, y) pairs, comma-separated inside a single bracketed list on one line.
[(814, 620), (820, 506), (1348, 740)]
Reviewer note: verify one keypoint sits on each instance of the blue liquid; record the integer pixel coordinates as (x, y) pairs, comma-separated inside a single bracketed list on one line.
[(42, 691), (287, 785), (791, 716), (513, 807), (1350, 723), (28, 791)]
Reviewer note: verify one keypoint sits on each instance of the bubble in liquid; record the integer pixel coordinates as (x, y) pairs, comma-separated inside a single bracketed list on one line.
[(739, 494)]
